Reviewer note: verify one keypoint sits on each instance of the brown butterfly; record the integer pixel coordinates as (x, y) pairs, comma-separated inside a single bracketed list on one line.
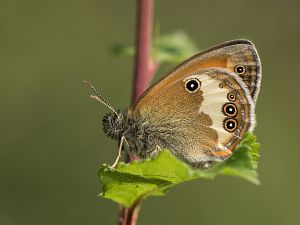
[(199, 111)]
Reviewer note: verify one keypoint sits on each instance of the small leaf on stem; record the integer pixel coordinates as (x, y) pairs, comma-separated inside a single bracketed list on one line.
[(168, 48), (128, 183)]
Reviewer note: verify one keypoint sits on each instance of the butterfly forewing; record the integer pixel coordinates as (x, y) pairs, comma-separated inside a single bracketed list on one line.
[(237, 56)]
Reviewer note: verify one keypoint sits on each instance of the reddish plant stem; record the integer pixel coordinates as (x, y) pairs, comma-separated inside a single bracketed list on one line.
[(144, 70), (144, 63)]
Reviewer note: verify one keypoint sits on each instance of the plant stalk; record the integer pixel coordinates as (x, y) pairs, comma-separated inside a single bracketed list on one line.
[(144, 70), (144, 63)]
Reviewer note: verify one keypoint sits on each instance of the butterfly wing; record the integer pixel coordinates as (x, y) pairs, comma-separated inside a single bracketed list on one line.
[(198, 126), (237, 56)]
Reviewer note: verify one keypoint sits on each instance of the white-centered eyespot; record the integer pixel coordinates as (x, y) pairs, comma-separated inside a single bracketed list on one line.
[(230, 109), (231, 96), (230, 125), (192, 85), (240, 69)]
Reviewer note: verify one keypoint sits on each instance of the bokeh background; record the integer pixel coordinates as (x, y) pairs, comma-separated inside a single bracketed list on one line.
[(51, 137)]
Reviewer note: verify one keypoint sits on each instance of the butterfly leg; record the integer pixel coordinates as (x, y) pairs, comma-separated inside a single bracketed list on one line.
[(206, 165), (153, 152), (120, 151), (203, 165)]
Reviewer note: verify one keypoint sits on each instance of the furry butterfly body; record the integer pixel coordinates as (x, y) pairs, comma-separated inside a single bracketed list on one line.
[(199, 111)]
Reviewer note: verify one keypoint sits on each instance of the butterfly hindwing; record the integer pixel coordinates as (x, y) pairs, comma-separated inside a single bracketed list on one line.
[(228, 103), (199, 126)]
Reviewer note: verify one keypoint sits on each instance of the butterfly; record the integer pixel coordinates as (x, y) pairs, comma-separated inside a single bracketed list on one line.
[(199, 111)]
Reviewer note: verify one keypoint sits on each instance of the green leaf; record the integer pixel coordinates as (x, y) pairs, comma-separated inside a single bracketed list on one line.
[(173, 48), (123, 50), (242, 163), (128, 183), (169, 48)]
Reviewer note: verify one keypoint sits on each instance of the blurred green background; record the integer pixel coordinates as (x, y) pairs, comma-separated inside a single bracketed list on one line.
[(51, 136)]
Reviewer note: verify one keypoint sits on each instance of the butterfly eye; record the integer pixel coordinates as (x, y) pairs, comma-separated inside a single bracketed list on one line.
[(192, 85), (231, 96), (230, 125), (229, 109), (239, 69)]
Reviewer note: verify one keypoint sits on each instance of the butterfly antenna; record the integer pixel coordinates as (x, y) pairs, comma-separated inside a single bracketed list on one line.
[(99, 97)]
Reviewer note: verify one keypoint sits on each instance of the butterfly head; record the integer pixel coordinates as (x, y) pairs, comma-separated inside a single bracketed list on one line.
[(114, 125)]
